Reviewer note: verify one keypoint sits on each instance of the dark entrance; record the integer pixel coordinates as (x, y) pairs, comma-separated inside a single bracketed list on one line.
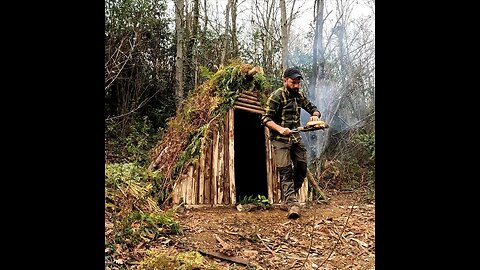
[(250, 159)]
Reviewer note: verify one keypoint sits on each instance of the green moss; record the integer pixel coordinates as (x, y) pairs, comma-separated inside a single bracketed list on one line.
[(159, 259)]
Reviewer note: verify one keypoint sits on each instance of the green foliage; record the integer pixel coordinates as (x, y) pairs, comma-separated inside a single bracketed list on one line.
[(206, 73), (117, 173), (351, 163), (368, 142), (131, 185), (259, 200), (193, 149), (139, 226), (135, 146), (159, 259), (228, 82), (139, 59)]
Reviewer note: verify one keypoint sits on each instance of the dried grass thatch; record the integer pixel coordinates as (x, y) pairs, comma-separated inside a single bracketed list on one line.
[(199, 114)]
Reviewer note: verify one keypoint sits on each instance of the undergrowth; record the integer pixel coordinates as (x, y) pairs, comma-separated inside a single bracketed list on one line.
[(349, 164), (258, 200), (132, 213)]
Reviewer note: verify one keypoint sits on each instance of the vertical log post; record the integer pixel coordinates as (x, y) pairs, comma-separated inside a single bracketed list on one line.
[(201, 172), (226, 165), (269, 163), (215, 155), (220, 175), (231, 157), (208, 173)]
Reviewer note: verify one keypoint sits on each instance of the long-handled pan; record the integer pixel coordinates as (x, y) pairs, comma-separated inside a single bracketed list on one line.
[(310, 126)]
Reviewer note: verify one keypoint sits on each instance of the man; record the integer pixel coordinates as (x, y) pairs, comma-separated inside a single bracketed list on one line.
[(282, 114)]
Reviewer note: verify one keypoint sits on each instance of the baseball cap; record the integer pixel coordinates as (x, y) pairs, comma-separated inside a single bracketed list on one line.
[(292, 73)]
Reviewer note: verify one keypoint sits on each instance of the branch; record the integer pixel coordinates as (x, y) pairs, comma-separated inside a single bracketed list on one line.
[(135, 109), (343, 229), (225, 257), (269, 249)]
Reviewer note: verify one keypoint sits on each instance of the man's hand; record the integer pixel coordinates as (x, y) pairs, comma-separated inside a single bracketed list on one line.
[(314, 118), (285, 131)]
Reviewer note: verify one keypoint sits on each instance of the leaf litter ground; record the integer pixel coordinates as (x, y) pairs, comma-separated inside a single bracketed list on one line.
[(338, 234)]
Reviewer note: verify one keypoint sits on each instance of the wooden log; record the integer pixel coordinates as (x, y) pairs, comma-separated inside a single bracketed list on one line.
[(247, 105), (226, 165), (231, 156), (201, 172), (220, 175), (250, 93), (249, 101), (177, 192), (277, 194), (208, 173), (224, 257), (189, 185), (249, 97), (254, 71), (213, 191), (268, 154), (315, 185), (184, 188), (194, 192), (248, 109)]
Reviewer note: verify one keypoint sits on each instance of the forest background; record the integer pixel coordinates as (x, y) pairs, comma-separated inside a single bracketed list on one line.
[(156, 52)]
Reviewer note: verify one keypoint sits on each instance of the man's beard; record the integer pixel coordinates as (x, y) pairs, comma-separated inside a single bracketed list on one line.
[(293, 90)]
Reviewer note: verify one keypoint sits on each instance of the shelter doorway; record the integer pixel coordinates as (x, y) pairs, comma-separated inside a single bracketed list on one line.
[(250, 156)]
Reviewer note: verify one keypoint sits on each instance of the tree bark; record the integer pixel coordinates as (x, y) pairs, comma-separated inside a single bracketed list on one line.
[(235, 52), (284, 34), (227, 30), (179, 29), (318, 50)]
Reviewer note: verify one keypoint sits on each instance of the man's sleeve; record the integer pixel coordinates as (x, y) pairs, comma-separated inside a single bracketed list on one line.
[(273, 103)]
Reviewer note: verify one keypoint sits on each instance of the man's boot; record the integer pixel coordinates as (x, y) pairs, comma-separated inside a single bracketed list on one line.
[(294, 211)]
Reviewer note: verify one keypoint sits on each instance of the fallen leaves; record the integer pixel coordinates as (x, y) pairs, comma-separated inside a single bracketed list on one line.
[(268, 240)]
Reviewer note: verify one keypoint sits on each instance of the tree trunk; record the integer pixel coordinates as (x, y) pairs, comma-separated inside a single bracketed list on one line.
[(285, 36), (227, 29), (234, 29), (179, 7), (191, 49), (196, 14), (318, 50), (318, 65)]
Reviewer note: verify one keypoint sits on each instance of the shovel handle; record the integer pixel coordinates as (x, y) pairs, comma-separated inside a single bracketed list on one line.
[(299, 129), (295, 130)]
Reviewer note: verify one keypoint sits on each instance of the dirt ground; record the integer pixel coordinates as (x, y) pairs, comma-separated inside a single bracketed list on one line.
[(337, 234)]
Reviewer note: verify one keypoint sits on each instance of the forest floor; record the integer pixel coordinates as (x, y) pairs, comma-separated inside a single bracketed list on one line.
[(338, 233)]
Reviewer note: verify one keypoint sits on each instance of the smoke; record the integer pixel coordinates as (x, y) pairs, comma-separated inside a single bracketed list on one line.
[(339, 107), (326, 96)]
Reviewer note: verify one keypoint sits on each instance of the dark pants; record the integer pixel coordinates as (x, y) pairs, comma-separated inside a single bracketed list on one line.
[(291, 161)]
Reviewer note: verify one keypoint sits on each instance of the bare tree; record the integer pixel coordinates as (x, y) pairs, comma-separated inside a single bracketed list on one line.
[(235, 51), (226, 33), (318, 62), (192, 35), (346, 98), (285, 35), (179, 28)]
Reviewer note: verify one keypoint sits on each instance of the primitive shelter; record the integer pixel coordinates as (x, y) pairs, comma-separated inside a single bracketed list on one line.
[(228, 156)]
